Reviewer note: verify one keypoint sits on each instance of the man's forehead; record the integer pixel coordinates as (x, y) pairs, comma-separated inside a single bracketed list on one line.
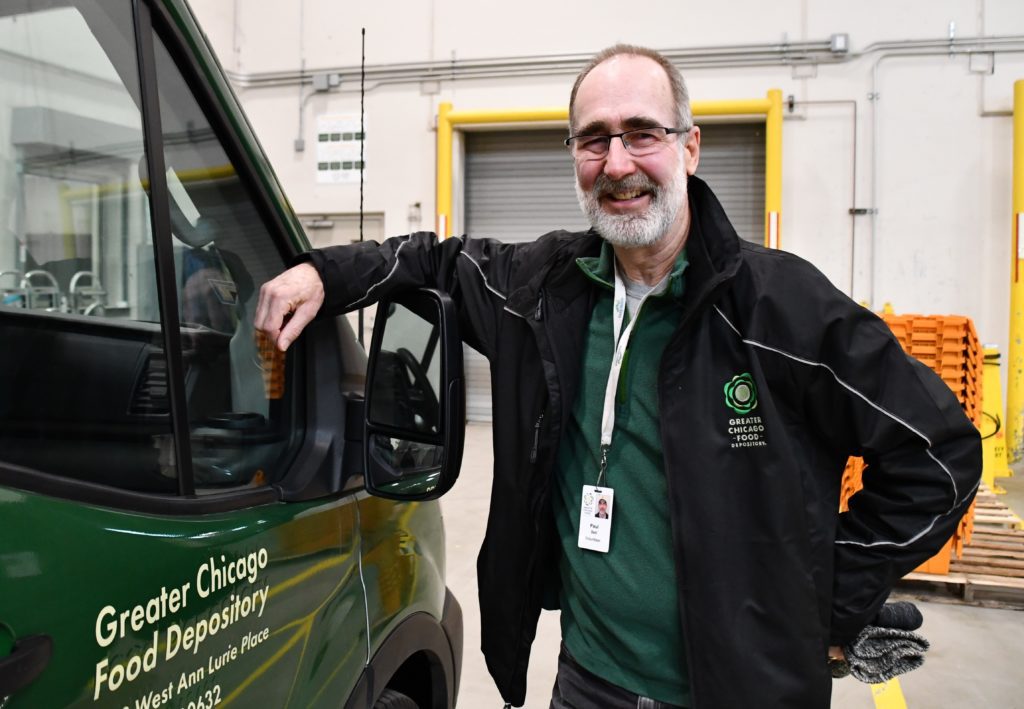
[(626, 91)]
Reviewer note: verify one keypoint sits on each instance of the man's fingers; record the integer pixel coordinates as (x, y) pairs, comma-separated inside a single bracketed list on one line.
[(271, 309), (299, 293), (298, 321), (259, 321), (271, 313)]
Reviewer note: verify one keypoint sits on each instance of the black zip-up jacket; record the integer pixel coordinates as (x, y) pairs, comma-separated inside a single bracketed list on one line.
[(769, 573)]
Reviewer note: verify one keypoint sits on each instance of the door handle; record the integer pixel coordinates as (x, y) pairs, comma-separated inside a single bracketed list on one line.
[(29, 657)]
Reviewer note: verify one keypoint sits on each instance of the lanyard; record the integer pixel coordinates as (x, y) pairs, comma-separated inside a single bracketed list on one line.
[(620, 340)]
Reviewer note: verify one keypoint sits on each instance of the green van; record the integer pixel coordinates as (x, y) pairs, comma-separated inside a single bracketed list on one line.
[(186, 517)]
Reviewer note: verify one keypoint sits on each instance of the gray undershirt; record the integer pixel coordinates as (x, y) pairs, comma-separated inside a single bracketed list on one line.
[(635, 292)]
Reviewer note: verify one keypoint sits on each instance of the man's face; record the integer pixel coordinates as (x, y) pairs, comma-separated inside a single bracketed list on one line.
[(602, 506), (632, 201)]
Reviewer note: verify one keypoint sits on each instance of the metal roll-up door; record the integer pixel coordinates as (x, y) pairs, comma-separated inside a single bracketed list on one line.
[(519, 185), (732, 163)]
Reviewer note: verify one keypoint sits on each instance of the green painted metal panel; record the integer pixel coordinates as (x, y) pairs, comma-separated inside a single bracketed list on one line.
[(256, 607)]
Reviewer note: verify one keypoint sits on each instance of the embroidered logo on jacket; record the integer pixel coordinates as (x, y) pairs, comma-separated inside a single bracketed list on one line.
[(741, 394), (745, 431)]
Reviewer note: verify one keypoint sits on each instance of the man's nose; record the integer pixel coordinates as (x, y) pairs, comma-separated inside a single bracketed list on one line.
[(618, 163)]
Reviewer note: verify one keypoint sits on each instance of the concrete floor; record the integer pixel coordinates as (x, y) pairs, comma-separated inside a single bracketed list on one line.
[(975, 661)]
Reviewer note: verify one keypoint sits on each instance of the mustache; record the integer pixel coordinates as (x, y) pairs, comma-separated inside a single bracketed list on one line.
[(604, 185)]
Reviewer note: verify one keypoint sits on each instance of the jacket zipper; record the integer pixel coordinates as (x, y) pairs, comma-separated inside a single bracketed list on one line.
[(536, 438), (538, 315)]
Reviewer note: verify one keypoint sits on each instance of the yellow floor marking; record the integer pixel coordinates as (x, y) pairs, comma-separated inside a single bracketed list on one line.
[(888, 695)]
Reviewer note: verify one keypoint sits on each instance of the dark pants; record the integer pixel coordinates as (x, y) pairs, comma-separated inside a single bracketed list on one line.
[(576, 688)]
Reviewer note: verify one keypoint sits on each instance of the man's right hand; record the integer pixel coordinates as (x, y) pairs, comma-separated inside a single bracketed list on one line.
[(288, 303)]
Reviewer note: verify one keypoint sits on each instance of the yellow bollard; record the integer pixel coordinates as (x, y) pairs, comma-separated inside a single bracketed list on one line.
[(993, 434)]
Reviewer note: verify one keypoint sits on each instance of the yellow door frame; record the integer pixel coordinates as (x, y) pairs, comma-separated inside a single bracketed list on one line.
[(770, 107), (1015, 360)]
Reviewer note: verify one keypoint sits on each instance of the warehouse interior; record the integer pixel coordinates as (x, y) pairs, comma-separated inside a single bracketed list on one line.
[(882, 142), (894, 166), (154, 191)]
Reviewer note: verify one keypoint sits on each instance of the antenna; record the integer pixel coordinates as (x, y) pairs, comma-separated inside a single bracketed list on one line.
[(362, 159)]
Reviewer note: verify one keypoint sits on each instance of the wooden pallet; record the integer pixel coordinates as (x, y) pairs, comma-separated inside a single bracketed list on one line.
[(990, 572), (991, 512), (965, 589)]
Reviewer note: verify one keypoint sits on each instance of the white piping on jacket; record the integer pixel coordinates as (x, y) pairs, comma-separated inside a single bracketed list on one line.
[(394, 268), (487, 283), (513, 312), (872, 404)]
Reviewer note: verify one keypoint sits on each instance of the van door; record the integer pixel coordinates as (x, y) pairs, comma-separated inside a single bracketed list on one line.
[(146, 556)]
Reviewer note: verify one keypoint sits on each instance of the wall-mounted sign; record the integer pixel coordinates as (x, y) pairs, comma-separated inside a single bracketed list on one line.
[(338, 141)]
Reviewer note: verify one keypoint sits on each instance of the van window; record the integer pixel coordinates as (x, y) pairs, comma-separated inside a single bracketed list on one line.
[(242, 408), (84, 389)]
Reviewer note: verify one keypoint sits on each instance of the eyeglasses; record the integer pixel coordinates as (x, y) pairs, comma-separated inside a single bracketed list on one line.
[(637, 142)]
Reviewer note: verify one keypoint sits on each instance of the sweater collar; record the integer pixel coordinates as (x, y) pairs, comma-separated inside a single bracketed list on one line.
[(600, 270)]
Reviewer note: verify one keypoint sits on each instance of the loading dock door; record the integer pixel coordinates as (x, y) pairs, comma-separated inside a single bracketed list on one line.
[(519, 185)]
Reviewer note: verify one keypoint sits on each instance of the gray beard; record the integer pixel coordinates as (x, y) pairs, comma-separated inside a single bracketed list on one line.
[(634, 230)]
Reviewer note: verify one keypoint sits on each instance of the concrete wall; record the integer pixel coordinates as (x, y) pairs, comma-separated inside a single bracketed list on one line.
[(935, 168)]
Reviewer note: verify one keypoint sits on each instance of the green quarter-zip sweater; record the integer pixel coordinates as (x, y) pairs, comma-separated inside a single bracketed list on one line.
[(620, 614)]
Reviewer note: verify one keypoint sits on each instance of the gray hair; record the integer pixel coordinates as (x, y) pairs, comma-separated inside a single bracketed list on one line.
[(684, 116)]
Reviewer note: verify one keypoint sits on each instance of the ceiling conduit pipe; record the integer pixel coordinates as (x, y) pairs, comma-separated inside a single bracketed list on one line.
[(1015, 361), (721, 57), (542, 65)]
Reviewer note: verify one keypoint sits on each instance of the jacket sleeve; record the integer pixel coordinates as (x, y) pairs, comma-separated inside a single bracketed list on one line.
[(476, 273), (923, 456)]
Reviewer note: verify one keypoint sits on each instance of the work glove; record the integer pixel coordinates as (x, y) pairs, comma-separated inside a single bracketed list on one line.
[(887, 647)]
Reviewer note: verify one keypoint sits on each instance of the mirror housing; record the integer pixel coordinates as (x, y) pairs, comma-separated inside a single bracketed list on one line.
[(415, 412)]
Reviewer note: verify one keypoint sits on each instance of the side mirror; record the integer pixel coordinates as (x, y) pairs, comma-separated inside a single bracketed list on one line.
[(415, 398)]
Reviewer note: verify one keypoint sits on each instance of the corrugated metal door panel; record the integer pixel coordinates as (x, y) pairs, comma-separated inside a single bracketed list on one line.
[(732, 163), (478, 385), (519, 185)]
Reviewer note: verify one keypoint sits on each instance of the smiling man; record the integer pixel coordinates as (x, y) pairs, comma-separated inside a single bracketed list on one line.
[(707, 388)]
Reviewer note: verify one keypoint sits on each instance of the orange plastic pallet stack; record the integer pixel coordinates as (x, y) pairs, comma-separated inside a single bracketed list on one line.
[(852, 481), (948, 344)]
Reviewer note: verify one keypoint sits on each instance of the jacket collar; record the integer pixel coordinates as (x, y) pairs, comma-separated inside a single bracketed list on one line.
[(558, 275), (713, 248), (601, 270)]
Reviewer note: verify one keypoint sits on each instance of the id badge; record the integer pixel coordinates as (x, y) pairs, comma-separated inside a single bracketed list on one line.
[(596, 518)]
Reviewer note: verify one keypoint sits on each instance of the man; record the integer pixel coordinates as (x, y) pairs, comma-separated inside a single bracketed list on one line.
[(715, 387)]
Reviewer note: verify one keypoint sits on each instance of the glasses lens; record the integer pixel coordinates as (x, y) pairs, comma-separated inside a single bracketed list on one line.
[(590, 146), (644, 140)]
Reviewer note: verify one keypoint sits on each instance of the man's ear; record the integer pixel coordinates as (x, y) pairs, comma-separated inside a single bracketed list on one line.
[(691, 150)]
